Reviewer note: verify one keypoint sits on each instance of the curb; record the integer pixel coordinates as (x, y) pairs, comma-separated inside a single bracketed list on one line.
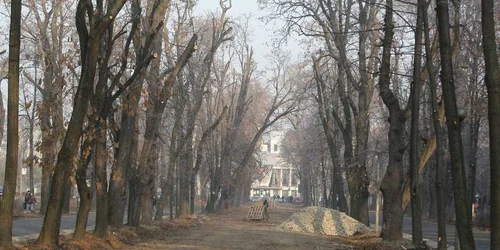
[(430, 243)]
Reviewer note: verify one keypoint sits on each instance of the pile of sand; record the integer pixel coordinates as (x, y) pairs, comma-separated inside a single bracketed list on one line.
[(324, 221)]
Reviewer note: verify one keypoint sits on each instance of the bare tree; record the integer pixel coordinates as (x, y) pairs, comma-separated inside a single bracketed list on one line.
[(89, 46), (390, 186), (332, 22), (492, 83), (326, 109), (453, 122), (48, 34), (438, 122), (7, 202), (416, 196)]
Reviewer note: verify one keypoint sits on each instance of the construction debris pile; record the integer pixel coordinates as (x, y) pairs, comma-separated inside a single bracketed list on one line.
[(324, 221)]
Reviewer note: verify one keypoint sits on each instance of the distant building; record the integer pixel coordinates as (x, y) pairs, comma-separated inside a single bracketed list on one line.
[(275, 176)]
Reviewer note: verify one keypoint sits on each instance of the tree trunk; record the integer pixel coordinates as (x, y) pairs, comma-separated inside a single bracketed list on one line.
[(11, 166), (124, 159), (392, 229), (437, 120), (323, 182), (147, 193), (85, 194), (31, 161), (134, 201), (46, 180), (416, 196), (453, 122), (473, 147), (492, 81), (146, 177), (89, 45), (325, 113), (101, 224), (67, 198), (199, 155), (185, 165)]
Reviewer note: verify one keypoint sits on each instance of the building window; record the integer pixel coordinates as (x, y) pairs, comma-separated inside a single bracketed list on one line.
[(276, 178), (268, 148), (286, 174), (275, 147), (294, 178)]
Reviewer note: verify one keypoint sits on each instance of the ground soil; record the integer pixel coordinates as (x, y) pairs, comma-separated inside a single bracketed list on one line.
[(229, 230)]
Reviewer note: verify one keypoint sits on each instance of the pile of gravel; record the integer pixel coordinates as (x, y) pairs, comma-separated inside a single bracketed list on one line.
[(324, 221)]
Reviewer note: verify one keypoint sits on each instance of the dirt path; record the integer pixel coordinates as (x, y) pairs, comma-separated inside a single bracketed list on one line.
[(232, 231)]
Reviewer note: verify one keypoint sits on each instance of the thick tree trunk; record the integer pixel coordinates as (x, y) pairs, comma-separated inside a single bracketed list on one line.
[(326, 114), (437, 120), (67, 198), (416, 196), (492, 81), (453, 122), (49, 235), (134, 201), (215, 188), (148, 194), (323, 183), (101, 224), (118, 184), (199, 155), (392, 229), (473, 147), (46, 180), (155, 115), (85, 197), (185, 165), (7, 201)]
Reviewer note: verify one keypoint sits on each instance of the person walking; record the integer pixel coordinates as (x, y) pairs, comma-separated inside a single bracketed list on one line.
[(31, 203), (266, 214), (27, 197)]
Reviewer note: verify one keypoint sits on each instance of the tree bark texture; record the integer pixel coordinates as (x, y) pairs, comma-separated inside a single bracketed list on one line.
[(416, 194), (10, 181), (85, 193), (89, 45), (463, 216), (326, 118), (492, 81), (199, 156), (437, 121), (392, 229)]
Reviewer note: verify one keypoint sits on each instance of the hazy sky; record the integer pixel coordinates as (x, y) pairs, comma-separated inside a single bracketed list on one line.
[(262, 33)]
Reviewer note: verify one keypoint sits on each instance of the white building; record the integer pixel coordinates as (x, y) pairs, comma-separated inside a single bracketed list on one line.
[(275, 176)]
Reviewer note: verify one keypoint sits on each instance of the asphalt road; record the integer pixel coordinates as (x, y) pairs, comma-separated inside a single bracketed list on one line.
[(481, 237), (29, 228), (26, 229)]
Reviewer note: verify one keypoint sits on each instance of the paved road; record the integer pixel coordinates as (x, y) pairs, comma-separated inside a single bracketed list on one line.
[(29, 228), (26, 229), (481, 237)]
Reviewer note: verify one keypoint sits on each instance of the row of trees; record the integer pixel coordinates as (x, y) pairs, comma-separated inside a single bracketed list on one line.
[(397, 49), (145, 95), (139, 96)]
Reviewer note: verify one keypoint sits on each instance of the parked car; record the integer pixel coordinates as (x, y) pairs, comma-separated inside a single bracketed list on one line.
[(255, 198), (298, 200)]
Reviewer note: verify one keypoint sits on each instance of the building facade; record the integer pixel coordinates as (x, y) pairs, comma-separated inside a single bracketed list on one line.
[(275, 177)]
